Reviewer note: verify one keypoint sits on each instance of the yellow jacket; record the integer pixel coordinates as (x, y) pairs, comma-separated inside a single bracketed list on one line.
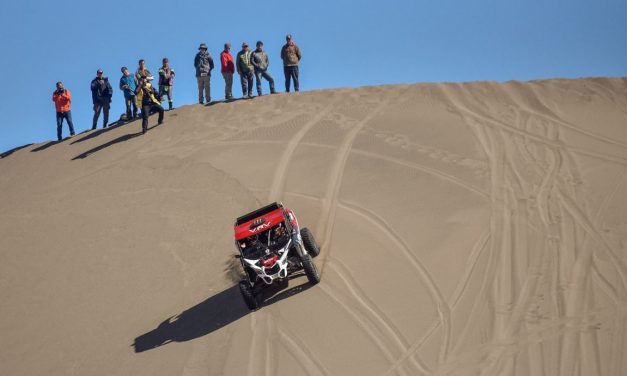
[(151, 94)]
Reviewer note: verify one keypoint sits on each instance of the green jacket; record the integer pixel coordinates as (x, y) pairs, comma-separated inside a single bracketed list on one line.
[(290, 53), (243, 63)]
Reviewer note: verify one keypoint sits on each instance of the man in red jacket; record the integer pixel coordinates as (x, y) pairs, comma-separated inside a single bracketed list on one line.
[(62, 99), (228, 69)]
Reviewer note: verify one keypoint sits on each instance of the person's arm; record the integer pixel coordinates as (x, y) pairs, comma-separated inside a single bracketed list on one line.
[(210, 63), (253, 60), (196, 61), (237, 63), (68, 95), (93, 85), (122, 84), (298, 53), (283, 53), (110, 89), (54, 95)]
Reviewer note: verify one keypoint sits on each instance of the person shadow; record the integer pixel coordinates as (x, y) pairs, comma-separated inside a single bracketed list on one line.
[(210, 315)]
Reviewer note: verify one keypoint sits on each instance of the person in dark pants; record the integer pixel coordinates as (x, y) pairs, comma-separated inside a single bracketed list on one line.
[(227, 69), (149, 100), (62, 99), (101, 93), (290, 54), (245, 70), (128, 85), (203, 62), (260, 62), (166, 81)]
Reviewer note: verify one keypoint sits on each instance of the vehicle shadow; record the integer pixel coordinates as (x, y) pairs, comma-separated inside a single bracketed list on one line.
[(205, 318)]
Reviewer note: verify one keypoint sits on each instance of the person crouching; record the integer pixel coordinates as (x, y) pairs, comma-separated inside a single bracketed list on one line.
[(148, 99)]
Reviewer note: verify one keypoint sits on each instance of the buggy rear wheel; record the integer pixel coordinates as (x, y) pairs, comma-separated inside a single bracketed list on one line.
[(310, 269), (309, 242), (248, 295)]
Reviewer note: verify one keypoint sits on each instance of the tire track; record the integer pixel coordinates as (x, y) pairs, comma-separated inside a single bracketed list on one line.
[(429, 170), (437, 296), (508, 325), (383, 321), (479, 246), (329, 203), (280, 174), (362, 322)]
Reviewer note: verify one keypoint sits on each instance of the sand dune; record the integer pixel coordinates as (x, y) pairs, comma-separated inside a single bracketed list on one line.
[(466, 229)]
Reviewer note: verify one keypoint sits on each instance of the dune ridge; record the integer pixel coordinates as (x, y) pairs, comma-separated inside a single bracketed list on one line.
[(466, 229)]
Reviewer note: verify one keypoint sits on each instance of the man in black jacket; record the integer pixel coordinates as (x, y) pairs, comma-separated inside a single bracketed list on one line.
[(101, 93)]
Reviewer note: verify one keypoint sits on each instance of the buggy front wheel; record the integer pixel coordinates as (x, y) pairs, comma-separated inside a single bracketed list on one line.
[(310, 269)]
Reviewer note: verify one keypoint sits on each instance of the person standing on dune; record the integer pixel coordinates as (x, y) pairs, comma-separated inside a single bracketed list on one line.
[(260, 61), (203, 62), (245, 70), (228, 69), (166, 81), (290, 54), (128, 84), (62, 99), (101, 93)]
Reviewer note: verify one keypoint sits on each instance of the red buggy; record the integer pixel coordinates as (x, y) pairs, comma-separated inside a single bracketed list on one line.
[(271, 247)]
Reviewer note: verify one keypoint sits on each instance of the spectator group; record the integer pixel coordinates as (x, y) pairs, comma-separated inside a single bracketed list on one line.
[(140, 96)]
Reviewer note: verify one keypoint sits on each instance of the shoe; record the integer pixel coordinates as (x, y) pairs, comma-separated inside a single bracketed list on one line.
[(159, 123), (201, 102)]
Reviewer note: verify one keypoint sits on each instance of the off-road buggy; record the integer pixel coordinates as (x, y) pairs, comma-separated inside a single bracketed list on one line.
[(272, 247)]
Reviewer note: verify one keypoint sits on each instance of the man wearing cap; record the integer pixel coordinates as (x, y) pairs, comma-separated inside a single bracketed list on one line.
[(166, 81), (62, 99), (203, 62), (128, 84), (260, 62), (290, 53), (101, 93), (228, 68), (245, 70)]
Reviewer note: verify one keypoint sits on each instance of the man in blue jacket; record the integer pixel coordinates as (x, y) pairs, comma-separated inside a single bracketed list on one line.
[(128, 84), (101, 93)]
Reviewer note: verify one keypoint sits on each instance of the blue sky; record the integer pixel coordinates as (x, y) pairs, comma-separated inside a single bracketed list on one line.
[(344, 44)]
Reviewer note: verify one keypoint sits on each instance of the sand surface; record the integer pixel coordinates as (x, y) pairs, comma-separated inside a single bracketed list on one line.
[(466, 229)]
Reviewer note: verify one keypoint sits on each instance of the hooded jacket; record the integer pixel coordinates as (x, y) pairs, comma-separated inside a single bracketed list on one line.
[(260, 61), (62, 101), (101, 90), (203, 62), (290, 53), (244, 66)]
